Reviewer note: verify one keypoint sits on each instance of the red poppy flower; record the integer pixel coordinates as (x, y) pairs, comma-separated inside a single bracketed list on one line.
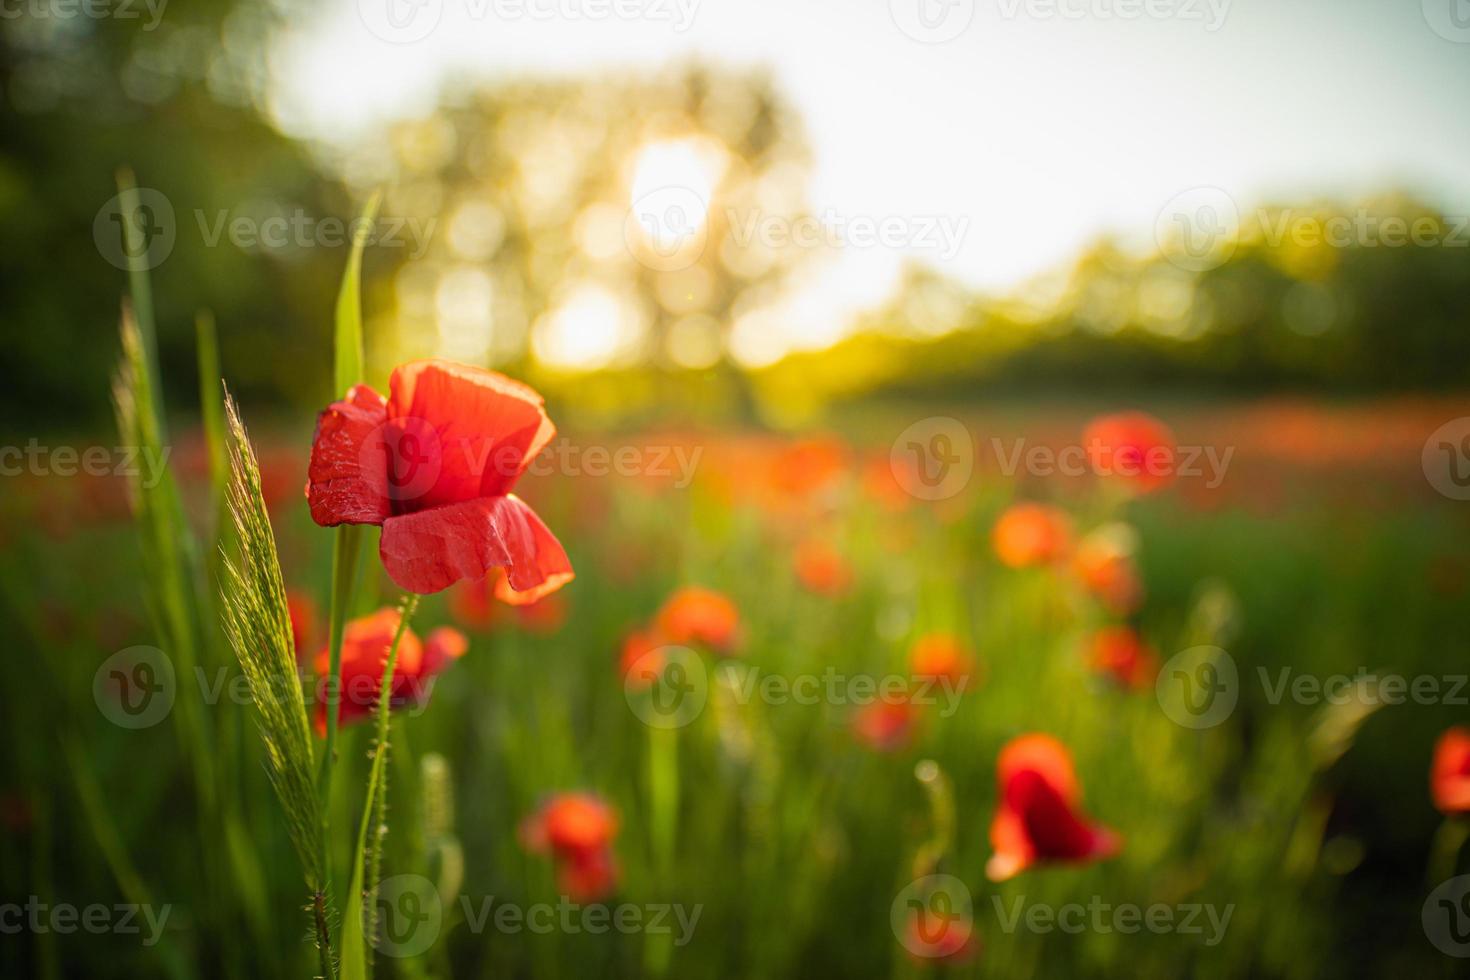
[(1449, 778), (940, 655), (434, 464), (885, 726), (578, 830), (1104, 565), (820, 568), (641, 662), (365, 645), (1039, 819), (698, 615), (1132, 447), (947, 938), (1031, 534), (301, 608), (1121, 652), (588, 877)]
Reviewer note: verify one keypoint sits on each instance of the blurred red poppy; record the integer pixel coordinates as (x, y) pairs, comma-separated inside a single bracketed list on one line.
[(434, 464), (948, 938), (641, 662), (885, 726), (940, 655), (1039, 819), (1031, 534), (301, 608), (1449, 779), (578, 830), (365, 646), (820, 568), (1104, 565), (1120, 652), (698, 615), (1132, 447)]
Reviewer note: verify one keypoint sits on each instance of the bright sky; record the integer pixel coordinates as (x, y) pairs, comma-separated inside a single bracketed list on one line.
[(1040, 125)]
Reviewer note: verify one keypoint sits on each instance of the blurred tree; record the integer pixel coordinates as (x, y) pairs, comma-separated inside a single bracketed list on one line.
[(170, 95), (595, 224)]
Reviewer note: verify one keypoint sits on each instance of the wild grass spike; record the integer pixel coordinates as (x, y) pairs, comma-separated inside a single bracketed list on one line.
[(259, 628)]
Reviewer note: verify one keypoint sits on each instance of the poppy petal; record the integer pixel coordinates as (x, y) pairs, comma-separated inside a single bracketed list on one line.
[(430, 550), (487, 428), (347, 479)]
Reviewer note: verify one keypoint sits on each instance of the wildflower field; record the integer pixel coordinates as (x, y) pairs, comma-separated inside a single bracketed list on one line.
[(1054, 689), (694, 489)]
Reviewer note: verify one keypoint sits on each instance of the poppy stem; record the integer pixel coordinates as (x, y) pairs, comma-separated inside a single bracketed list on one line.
[(1444, 851), (345, 551)]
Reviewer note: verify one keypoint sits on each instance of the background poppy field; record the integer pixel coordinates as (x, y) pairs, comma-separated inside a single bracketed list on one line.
[(826, 581)]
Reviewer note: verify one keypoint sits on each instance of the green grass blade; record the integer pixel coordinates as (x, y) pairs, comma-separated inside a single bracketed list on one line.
[(359, 897), (259, 629), (348, 357), (216, 440), (139, 288)]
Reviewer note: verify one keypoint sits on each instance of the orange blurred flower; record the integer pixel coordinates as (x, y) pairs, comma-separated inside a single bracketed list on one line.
[(1104, 565), (885, 726), (1122, 653), (641, 662), (883, 487), (471, 605), (941, 655), (1132, 447), (821, 568), (1031, 534), (365, 646), (693, 614), (1039, 819), (577, 829), (807, 467), (1449, 777)]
